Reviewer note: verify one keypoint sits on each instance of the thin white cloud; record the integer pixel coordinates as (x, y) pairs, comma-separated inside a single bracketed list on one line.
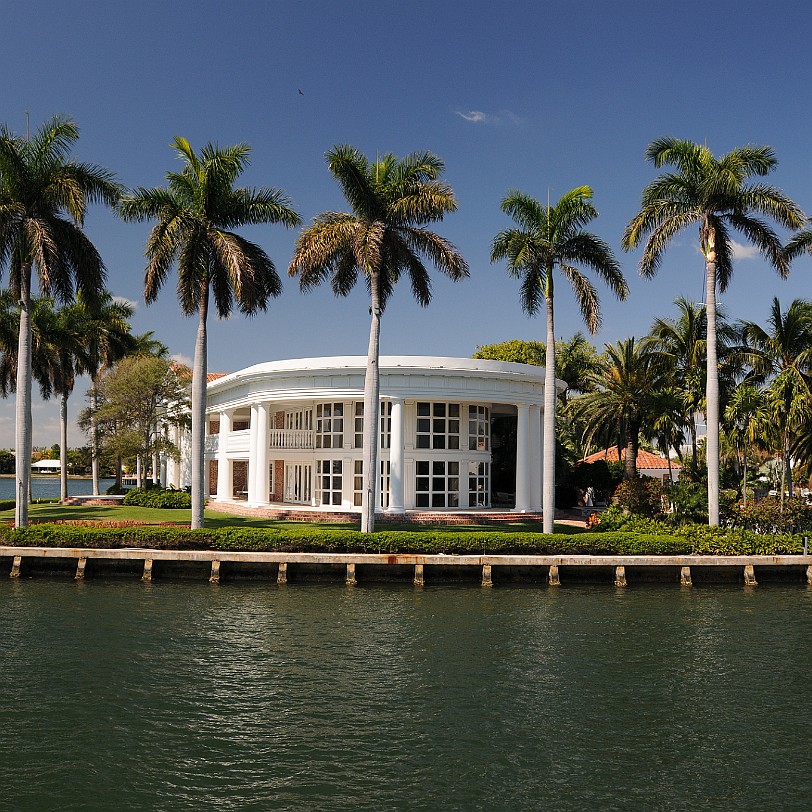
[(743, 251), (480, 117), (125, 301), (183, 359)]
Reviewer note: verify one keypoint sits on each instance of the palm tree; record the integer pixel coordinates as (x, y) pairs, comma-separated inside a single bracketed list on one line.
[(624, 398), (550, 237), (382, 238), (712, 193), (43, 199), (109, 339), (668, 421), (746, 415), (782, 356), (196, 215)]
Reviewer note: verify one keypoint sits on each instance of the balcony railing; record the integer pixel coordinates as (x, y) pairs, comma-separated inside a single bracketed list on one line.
[(292, 438)]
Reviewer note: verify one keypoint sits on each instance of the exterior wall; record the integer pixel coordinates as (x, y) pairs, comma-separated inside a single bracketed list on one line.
[(312, 427)]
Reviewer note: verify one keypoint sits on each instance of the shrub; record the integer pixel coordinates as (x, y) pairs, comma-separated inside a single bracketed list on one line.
[(158, 498), (642, 496)]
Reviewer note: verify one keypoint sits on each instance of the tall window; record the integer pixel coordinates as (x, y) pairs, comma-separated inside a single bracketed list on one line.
[(479, 484), (329, 481), (479, 428), (301, 420), (438, 425), (437, 483), (384, 426), (330, 425), (358, 484)]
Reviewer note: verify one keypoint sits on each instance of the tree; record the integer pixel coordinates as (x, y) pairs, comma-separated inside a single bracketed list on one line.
[(624, 396), (382, 238), (781, 356), (712, 193), (129, 401), (514, 351), (550, 237), (43, 199), (746, 416), (196, 215)]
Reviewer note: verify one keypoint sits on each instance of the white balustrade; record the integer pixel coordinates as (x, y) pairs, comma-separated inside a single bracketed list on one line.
[(292, 438)]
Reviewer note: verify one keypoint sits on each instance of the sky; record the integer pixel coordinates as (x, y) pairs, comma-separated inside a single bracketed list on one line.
[(536, 96)]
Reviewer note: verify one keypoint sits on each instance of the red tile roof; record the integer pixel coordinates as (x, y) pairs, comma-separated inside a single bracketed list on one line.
[(645, 459), (213, 376)]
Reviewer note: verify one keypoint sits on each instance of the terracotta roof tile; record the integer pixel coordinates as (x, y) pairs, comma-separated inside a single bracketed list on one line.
[(645, 459), (213, 376)]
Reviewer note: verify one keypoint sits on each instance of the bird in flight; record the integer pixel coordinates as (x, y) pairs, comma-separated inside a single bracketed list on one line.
[(300, 92)]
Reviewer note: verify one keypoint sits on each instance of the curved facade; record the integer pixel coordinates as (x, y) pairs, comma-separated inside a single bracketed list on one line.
[(291, 432)]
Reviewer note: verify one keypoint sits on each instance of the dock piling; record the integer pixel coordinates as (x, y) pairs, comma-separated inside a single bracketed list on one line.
[(553, 578), (147, 576), (282, 575), (214, 578), (685, 577), (419, 580), (809, 575), (15, 566), (620, 576), (351, 579), (80, 569), (749, 576), (487, 576)]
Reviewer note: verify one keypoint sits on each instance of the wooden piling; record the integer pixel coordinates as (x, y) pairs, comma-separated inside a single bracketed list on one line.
[(620, 576), (147, 576), (750, 576), (214, 578), (685, 577), (351, 580), (419, 580), (15, 566), (282, 575), (809, 575), (80, 569), (553, 578)]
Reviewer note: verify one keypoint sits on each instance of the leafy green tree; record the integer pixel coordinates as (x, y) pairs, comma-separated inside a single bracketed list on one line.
[(746, 418), (382, 238), (714, 194), (514, 351), (43, 199), (131, 399), (550, 238), (197, 214)]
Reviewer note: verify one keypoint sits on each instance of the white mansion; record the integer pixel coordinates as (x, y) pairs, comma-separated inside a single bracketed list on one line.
[(290, 433)]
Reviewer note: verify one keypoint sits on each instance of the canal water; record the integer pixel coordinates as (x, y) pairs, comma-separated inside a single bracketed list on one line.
[(47, 487), (122, 695)]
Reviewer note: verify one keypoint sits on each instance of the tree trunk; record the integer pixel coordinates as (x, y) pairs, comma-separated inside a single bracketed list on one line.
[(199, 412), (63, 446), (630, 462), (744, 466), (372, 384), (94, 434), (712, 384), (23, 438), (548, 465)]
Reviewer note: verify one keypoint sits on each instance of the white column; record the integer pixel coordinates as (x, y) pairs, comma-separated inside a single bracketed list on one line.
[(540, 462), (535, 457), (261, 456), (523, 458), (251, 487), (225, 479), (396, 501)]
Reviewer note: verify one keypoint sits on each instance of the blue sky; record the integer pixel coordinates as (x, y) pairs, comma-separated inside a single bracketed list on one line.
[(531, 95)]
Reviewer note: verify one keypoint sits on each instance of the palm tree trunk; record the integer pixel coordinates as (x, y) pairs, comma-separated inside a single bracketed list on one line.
[(372, 384), (199, 411), (23, 437), (548, 466), (94, 434), (63, 446), (630, 463), (712, 384), (744, 466)]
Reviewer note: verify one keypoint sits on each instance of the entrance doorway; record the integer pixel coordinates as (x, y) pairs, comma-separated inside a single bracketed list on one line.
[(298, 482)]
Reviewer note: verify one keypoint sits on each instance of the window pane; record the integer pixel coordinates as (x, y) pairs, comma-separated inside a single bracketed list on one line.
[(438, 500), (439, 409), (454, 442), (423, 425), (422, 500), (422, 483), (423, 441), (422, 467), (453, 409), (423, 409), (338, 409), (453, 500), (453, 469), (438, 468), (453, 426)]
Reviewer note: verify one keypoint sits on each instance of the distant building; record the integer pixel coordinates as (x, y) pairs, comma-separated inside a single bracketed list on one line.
[(648, 464), (46, 467)]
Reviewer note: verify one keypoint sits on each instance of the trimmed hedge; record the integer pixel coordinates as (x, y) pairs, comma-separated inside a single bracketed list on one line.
[(158, 498), (697, 539)]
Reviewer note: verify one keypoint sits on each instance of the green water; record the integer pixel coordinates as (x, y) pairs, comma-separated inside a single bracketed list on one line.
[(119, 695)]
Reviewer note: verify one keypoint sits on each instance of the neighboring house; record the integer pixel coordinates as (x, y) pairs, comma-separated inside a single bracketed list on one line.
[(46, 467), (648, 464), (290, 432)]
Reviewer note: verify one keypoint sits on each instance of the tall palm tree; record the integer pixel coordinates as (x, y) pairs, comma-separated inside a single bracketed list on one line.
[(782, 356), (549, 238), (196, 215), (714, 194), (43, 199), (382, 238), (624, 398)]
